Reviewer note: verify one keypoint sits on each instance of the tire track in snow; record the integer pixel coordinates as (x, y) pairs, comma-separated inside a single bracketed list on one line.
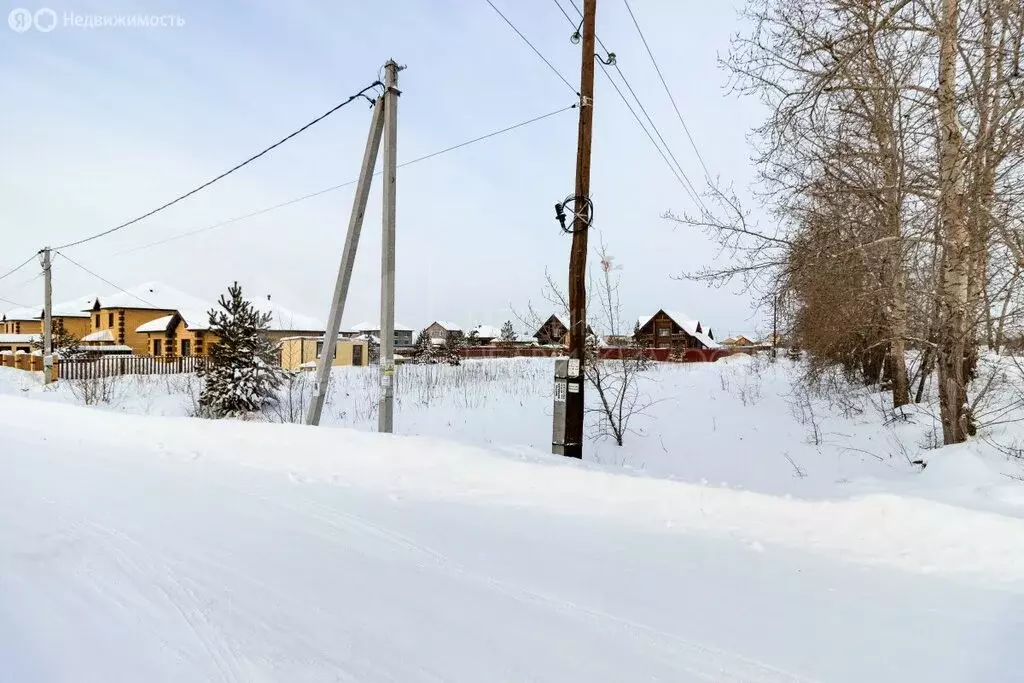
[(709, 663)]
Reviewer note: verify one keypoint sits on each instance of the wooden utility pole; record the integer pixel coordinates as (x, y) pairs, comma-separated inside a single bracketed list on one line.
[(385, 413), (348, 258), (578, 257), (47, 318)]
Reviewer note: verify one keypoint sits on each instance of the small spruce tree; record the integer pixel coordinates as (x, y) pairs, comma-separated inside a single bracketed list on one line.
[(451, 349), (423, 350), (508, 333), (64, 343), (242, 376)]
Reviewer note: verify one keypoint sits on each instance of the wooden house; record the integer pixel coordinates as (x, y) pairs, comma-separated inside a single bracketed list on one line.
[(555, 330), (670, 329)]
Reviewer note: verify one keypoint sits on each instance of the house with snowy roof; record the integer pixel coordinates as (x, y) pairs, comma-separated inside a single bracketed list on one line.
[(187, 330), (115, 319), (672, 329), (439, 330), (72, 316), (484, 334), (555, 330), (403, 333)]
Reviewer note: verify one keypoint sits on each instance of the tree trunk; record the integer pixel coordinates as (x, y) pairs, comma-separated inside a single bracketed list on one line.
[(952, 337)]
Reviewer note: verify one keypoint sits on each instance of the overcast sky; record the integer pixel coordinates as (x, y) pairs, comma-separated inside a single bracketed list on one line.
[(100, 125)]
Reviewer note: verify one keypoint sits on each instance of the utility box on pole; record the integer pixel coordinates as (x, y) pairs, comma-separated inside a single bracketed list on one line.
[(568, 380)]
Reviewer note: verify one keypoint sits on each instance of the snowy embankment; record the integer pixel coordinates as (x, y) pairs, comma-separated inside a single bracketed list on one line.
[(138, 547)]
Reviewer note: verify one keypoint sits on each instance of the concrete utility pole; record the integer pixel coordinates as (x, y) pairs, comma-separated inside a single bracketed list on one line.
[(385, 416), (47, 318), (348, 258), (578, 257)]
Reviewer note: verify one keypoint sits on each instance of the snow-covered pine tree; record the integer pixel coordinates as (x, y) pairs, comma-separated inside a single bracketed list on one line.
[(508, 333), (423, 350), (451, 349), (242, 375)]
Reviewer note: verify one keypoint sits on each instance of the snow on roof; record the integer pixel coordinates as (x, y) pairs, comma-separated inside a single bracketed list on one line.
[(75, 308), (684, 321), (281, 318), (158, 325), (451, 327), (18, 338), (153, 295), (26, 313), (375, 327), (285, 319), (487, 331), (102, 335)]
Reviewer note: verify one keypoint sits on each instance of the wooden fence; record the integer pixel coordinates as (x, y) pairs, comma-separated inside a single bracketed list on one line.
[(114, 366)]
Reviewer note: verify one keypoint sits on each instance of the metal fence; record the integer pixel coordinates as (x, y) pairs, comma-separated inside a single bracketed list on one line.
[(113, 366)]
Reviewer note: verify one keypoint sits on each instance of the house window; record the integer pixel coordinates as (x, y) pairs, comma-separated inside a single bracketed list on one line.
[(157, 347), (97, 321), (319, 348), (110, 319), (664, 331), (186, 347), (357, 354)]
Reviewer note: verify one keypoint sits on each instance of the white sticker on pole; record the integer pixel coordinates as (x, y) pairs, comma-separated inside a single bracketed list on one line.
[(574, 367), (385, 380), (574, 388), (560, 392)]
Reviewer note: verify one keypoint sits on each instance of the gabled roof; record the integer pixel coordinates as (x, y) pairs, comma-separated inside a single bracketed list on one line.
[(688, 324), (451, 327), (158, 325), (375, 327)]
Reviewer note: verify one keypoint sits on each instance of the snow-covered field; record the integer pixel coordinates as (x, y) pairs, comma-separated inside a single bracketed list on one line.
[(747, 534)]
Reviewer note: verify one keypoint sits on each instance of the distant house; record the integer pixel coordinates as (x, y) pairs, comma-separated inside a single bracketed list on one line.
[(403, 333), (437, 332), (555, 330), (303, 352), (187, 331), (671, 329), (738, 340), (485, 334)]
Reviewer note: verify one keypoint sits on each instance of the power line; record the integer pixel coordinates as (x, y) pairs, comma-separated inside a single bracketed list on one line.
[(248, 161), (689, 192), (13, 303), (303, 198), (532, 47), (677, 170), (686, 128), (16, 268), (103, 279)]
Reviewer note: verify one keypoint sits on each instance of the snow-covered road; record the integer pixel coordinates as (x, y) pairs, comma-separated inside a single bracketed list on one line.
[(144, 561)]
